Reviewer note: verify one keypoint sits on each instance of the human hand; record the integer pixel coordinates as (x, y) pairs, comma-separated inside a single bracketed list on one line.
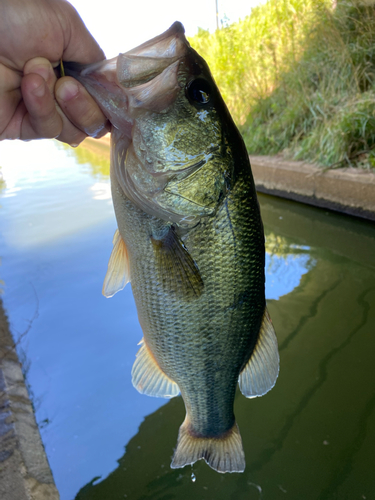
[(35, 35)]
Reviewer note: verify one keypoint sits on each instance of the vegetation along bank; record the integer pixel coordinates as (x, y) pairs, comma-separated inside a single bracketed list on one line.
[(299, 79)]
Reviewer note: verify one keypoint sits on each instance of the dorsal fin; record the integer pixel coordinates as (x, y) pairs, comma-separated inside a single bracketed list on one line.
[(262, 369), (148, 378), (118, 272)]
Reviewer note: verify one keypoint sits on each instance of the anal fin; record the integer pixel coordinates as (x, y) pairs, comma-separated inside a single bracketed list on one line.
[(222, 453), (148, 378), (118, 272), (261, 371)]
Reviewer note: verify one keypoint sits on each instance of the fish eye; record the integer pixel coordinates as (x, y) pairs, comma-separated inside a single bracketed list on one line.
[(199, 91)]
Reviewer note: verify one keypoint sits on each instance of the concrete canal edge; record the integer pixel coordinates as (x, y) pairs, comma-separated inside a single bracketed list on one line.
[(24, 470), (350, 190)]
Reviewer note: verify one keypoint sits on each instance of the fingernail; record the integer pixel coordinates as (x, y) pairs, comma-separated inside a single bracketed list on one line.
[(40, 90), (102, 131), (67, 91)]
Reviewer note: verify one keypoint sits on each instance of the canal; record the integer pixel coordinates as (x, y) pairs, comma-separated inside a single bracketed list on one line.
[(311, 437)]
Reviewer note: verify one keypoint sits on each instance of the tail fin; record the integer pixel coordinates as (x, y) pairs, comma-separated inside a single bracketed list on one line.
[(223, 453)]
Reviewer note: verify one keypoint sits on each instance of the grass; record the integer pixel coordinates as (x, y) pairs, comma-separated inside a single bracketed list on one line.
[(299, 79)]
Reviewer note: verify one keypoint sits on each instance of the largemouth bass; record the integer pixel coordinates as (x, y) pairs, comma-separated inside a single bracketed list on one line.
[(190, 239)]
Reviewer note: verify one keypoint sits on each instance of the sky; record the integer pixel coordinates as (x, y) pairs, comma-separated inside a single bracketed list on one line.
[(120, 25)]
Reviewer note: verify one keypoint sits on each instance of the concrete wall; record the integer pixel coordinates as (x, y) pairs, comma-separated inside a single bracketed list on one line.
[(350, 190)]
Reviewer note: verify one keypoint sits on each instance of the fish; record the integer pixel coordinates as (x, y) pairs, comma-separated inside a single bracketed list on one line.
[(190, 240)]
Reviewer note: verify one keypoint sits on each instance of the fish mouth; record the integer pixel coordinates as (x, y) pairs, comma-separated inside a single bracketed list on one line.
[(145, 62), (168, 46), (144, 77), (164, 45)]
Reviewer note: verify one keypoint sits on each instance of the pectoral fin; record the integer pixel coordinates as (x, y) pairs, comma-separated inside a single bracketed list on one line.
[(118, 272), (261, 371), (178, 271), (148, 378)]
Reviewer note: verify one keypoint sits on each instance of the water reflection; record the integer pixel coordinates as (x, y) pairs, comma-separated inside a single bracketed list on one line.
[(93, 153), (49, 197), (286, 263), (2, 187), (2, 182), (312, 436)]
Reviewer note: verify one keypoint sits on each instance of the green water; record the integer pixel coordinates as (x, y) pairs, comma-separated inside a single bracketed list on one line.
[(311, 437)]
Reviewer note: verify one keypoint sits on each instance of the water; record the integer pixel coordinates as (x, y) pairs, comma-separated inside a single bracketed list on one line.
[(312, 437)]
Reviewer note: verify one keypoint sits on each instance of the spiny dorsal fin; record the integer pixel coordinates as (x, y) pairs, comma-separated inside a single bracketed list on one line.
[(261, 371), (223, 453), (178, 270), (118, 272), (148, 378)]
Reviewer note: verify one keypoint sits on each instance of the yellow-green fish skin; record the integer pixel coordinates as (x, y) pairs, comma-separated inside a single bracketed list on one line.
[(187, 212), (203, 342)]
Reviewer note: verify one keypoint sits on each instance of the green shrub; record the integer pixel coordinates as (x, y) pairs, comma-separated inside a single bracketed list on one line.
[(298, 78)]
